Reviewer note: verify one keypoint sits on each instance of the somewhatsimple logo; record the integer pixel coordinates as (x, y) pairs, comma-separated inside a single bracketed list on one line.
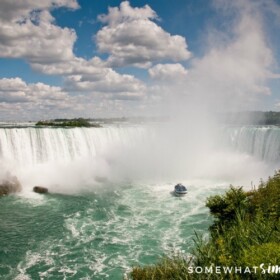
[(262, 268)]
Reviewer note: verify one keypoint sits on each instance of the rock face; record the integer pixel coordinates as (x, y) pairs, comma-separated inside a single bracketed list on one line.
[(39, 189), (9, 185)]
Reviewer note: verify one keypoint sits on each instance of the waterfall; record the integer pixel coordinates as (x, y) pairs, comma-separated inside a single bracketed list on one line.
[(77, 157), (261, 142), (30, 146)]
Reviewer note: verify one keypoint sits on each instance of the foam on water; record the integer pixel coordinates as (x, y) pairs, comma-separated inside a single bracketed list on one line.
[(107, 233)]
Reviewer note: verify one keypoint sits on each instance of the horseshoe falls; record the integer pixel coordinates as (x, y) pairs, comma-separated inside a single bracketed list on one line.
[(261, 142), (110, 205)]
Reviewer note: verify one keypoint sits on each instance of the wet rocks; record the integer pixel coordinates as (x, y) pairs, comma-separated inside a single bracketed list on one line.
[(10, 185), (39, 189)]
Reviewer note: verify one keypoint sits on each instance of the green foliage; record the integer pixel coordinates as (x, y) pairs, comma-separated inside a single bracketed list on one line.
[(267, 253), (224, 208), (80, 122), (266, 200)]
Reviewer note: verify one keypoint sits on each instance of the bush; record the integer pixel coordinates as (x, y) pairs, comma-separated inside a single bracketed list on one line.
[(265, 257), (267, 253), (266, 199), (225, 207)]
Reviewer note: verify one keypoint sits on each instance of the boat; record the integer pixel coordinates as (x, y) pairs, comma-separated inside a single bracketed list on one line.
[(180, 189)]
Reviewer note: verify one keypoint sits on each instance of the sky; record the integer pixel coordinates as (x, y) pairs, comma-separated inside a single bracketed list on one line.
[(111, 58)]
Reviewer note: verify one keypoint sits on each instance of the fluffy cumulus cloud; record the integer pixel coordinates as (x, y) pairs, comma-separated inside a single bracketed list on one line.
[(18, 9), (110, 83), (93, 76), (15, 90), (168, 72), (132, 38), (38, 100), (27, 31), (74, 66), (127, 13)]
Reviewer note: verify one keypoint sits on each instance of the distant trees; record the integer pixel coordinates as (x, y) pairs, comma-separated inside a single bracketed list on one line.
[(79, 122), (251, 118)]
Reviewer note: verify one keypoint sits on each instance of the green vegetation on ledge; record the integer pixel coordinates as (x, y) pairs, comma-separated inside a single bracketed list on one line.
[(80, 122), (245, 234)]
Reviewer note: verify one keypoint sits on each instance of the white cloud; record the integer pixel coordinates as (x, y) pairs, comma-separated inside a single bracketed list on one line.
[(127, 13), (92, 76), (30, 33), (131, 38), (27, 31), (109, 82), (11, 10), (15, 90), (36, 100), (73, 66), (168, 72)]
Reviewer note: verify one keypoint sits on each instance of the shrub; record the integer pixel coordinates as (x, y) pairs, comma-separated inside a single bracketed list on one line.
[(224, 207), (265, 256)]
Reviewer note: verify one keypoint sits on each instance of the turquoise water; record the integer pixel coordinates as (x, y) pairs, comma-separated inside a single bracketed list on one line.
[(96, 235)]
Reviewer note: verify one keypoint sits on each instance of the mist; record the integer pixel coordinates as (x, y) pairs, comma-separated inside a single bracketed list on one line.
[(91, 159), (231, 76)]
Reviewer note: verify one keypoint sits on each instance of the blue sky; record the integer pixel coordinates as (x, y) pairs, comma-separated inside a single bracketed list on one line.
[(72, 58)]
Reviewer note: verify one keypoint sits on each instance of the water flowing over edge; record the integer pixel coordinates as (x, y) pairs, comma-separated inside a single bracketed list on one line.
[(82, 156)]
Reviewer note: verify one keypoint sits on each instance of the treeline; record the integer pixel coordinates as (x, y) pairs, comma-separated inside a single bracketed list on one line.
[(253, 118), (95, 122), (79, 122), (245, 235)]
